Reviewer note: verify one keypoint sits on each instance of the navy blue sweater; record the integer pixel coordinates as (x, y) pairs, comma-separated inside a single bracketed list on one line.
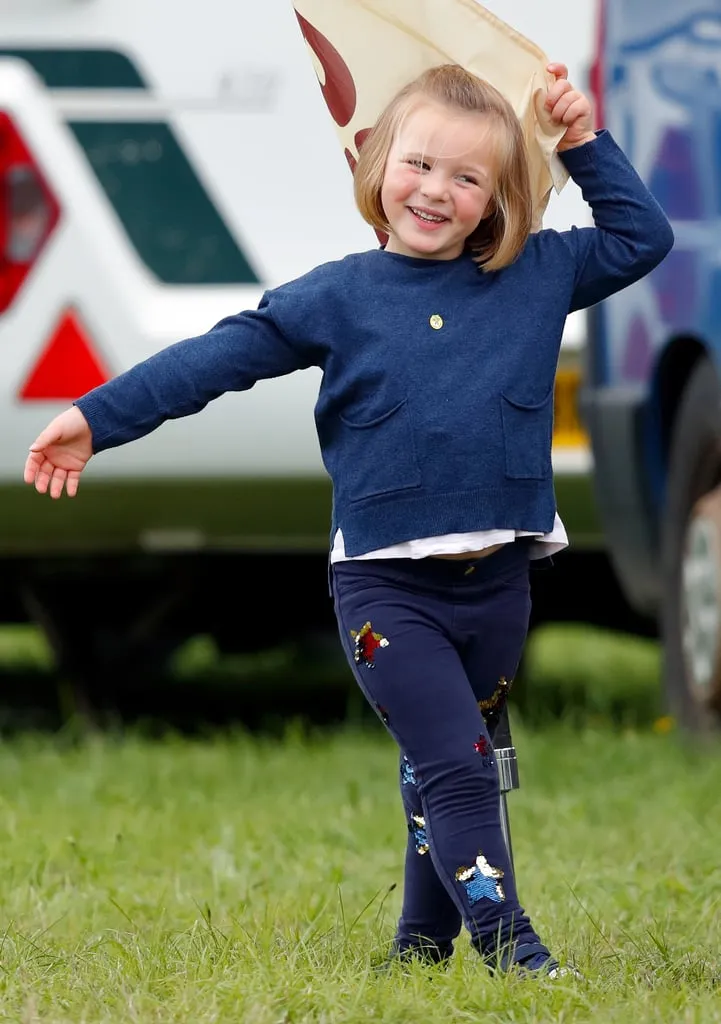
[(423, 431)]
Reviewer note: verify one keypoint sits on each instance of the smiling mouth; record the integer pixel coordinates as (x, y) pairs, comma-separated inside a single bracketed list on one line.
[(427, 218)]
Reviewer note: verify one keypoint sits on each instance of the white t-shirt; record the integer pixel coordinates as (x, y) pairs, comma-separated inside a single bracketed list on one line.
[(456, 543)]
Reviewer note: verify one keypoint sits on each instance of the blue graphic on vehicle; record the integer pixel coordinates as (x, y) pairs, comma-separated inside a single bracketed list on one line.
[(663, 96)]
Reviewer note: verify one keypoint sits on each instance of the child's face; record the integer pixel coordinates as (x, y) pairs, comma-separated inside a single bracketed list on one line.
[(438, 181)]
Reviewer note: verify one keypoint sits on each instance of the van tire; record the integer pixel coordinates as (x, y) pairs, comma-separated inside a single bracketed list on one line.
[(693, 483)]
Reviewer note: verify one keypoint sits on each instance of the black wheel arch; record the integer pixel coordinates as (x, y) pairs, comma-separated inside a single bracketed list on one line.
[(673, 370)]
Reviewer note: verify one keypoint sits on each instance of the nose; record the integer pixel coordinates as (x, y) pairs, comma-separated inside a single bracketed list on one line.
[(434, 186)]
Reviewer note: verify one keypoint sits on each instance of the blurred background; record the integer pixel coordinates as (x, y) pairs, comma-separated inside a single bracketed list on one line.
[(161, 165)]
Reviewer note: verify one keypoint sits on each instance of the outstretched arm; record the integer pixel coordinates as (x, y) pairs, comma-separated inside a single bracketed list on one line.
[(180, 380), (177, 381)]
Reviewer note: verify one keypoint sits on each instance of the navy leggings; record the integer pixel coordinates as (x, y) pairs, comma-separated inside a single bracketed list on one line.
[(434, 645)]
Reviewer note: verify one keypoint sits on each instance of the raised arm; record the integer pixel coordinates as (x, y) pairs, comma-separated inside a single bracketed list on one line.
[(632, 234)]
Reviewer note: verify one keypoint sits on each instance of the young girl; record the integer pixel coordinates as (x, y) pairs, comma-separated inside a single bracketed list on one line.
[(434, 417)]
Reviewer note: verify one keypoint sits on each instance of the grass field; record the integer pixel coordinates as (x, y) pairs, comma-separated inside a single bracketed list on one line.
[(245, 879)]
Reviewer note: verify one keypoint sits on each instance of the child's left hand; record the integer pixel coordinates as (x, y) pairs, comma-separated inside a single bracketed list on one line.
[(571, 107)]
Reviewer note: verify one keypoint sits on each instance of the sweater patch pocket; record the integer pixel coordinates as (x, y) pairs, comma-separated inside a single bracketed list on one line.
[(379, 456), (527, 436)]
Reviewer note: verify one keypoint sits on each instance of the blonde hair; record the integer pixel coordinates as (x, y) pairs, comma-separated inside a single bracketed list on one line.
[(504, 230)]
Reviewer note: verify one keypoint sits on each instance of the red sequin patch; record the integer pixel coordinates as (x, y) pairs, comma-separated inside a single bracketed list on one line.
[(366, 644)]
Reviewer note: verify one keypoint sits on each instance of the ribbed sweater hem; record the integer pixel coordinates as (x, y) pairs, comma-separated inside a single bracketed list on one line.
[(378, 522)]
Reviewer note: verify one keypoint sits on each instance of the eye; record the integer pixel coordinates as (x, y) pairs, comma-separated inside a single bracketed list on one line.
[(468, 178), (420, 165)]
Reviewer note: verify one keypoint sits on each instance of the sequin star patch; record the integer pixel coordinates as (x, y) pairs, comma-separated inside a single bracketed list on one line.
[(481, 881), (366, 644), (483, 747), (492, 707), (408, 776), (417, 828)]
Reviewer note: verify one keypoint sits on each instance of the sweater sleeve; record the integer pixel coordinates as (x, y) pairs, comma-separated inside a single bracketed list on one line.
[(632, 234), (182, 378)]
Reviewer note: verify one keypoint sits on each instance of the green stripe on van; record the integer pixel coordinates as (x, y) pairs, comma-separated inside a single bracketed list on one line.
[(80, 69), (164, 208)]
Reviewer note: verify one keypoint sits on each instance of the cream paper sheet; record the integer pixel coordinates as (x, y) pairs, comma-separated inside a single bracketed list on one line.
[(363, 51)]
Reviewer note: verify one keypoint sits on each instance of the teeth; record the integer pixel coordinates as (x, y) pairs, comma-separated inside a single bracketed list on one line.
[(427, 216)]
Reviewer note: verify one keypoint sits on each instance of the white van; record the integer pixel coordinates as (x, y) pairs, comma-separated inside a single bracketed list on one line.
[(162, 164)]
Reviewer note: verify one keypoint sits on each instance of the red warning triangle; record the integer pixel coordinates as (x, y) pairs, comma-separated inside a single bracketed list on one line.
[(67, 367)]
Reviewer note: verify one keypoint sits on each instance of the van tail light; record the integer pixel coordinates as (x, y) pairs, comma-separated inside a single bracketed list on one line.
[(598, 74), (28, 211)]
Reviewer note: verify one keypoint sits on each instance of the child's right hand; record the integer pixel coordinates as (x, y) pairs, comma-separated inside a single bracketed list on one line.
[(59, 454), (570, 107)]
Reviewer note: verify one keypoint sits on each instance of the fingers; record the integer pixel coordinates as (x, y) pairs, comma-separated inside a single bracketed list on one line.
[(72, 483), (566, 104), (38, 470), (558, 90), (579, 110), (49, 478), (570, 108), (57, 482), (559, 70), (32, 465), (59, 454), (43, 476)]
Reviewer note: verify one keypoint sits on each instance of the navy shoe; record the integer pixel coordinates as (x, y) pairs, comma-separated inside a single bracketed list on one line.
[(546, 966)]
